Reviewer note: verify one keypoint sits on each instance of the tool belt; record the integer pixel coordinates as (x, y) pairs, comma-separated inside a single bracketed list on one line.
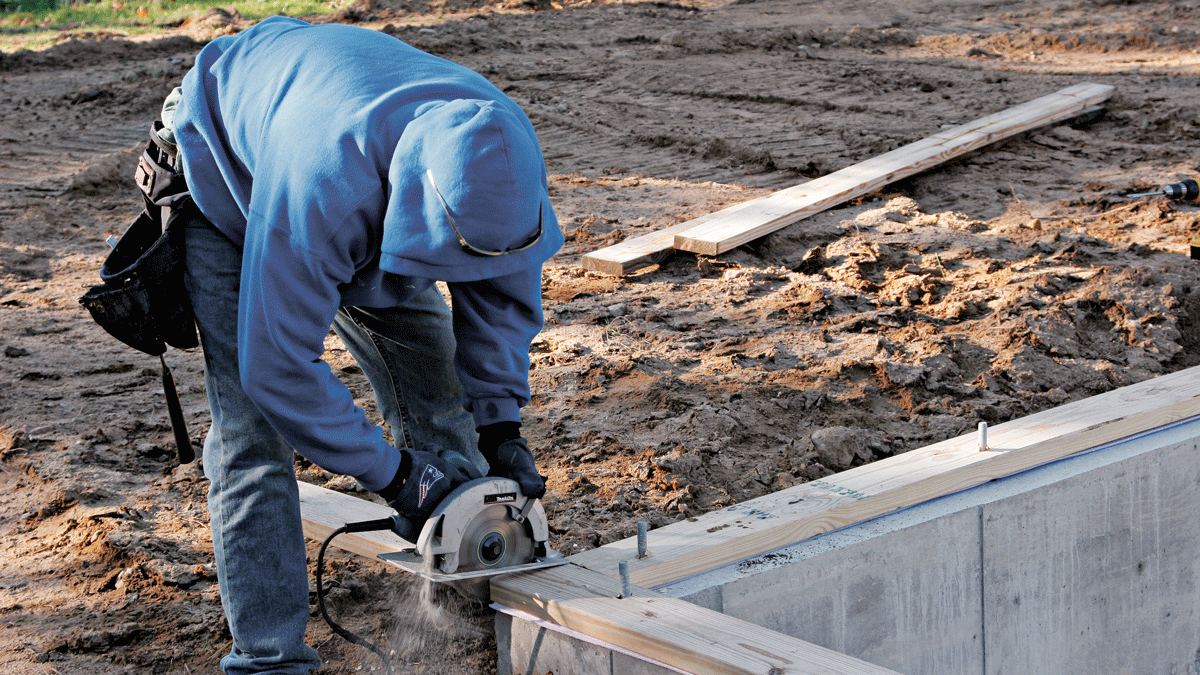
[(143, 301)]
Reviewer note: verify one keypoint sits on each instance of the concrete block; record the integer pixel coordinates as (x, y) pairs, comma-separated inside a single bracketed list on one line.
[(709, 598), (906, 599), (624, 664), (528, 649), (1098, 573)]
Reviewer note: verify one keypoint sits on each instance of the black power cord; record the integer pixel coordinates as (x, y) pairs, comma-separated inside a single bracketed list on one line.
[(396, 524)]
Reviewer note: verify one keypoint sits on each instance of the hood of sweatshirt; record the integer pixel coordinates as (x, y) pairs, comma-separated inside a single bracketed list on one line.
[(467, 170)]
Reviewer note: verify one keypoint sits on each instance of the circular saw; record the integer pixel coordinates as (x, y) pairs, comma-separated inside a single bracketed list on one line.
[(483, 528)]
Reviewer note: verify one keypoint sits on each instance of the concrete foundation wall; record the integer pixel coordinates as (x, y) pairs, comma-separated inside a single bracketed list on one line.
[(526, 647), (908, 600), (1098, 574), (1088, 565)]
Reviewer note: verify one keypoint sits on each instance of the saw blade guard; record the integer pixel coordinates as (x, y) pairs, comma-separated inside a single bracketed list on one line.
[(459, 517)]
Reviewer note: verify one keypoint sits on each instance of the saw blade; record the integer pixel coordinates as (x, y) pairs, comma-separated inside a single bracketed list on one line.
[(493, 540)]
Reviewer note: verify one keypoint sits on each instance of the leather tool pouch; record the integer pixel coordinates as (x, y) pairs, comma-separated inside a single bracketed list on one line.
[(143, 301)]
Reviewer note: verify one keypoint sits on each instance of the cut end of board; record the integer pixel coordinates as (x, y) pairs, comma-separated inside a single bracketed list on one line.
[(593, 263), (621, 265)]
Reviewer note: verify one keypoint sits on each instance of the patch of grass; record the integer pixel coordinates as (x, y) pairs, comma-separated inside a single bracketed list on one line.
[(143, 14)]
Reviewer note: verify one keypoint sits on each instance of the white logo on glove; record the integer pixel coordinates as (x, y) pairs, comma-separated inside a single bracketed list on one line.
[(430, 476)]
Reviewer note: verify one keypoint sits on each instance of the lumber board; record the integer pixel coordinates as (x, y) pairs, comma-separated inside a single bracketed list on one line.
[(787, 517), (669, 630), (322, 510), (788, 206), (796, 203), (650, 249), (728, 228), (672, 631)]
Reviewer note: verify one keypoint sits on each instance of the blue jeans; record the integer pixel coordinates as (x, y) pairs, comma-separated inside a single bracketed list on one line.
[(254, 508)]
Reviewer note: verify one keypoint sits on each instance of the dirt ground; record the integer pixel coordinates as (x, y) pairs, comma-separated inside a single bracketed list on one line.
[(1011, 280)]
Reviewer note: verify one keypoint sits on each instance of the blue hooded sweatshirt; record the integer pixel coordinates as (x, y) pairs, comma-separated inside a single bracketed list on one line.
[(316, 149)]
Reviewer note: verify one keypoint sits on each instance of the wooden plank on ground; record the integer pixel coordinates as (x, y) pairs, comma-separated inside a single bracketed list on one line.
[(673, 631), (798, 513), (788, 206), (638, 252), (723, 230), (324, 510)]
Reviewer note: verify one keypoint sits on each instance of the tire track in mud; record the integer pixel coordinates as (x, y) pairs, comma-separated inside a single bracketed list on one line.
[(590, 126), (677, 95), (48, 163), (764, 124), (78, 101)]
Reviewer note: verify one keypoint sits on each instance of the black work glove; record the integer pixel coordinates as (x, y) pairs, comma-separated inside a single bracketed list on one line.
[(461, 463), (423, 480), (508, 456)]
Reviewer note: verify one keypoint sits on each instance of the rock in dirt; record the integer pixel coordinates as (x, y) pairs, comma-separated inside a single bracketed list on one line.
[(840, 447)]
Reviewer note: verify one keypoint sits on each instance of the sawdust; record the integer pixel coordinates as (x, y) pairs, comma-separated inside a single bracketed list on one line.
[(1008, 281), (433, 622)]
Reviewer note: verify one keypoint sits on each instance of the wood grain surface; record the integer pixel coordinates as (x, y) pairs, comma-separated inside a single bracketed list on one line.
[(720, 231), (324, 510)]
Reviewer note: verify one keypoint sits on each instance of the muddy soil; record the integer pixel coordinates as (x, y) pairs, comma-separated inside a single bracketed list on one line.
[(1005, 282)]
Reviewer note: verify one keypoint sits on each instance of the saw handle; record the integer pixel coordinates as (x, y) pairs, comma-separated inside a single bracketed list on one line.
[(370, 525), (403, 527)]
